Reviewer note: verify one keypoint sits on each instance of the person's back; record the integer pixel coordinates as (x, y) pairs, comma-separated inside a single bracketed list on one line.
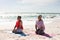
[(18, 27), (40, 24), (19, 24)]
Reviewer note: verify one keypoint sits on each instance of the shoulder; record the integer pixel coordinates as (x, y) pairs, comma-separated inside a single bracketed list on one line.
[(18, 21), (37, 21)]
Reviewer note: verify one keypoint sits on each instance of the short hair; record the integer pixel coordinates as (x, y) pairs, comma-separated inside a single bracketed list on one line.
[(18, 17), (40, 16)]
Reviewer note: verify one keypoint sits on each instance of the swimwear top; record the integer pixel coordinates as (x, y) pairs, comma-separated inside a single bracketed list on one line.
[(18, 24)]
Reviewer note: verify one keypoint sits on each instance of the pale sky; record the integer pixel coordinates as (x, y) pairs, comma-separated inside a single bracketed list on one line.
[(30, 6)]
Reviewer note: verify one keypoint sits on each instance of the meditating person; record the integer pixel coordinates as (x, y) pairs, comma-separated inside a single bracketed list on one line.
[(39, 26), (19, 26), (18, 29)]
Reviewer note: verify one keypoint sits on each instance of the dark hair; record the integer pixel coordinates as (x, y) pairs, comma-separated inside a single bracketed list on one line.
[(40, 16), (19, 17)]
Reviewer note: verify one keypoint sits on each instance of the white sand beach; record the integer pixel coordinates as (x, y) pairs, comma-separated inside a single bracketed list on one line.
[(52, 29), (27, 12)]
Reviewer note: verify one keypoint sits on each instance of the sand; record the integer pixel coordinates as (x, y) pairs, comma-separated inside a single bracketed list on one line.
[(53, 29)]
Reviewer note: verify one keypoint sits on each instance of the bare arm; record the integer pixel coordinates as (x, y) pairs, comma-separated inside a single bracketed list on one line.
[(36, 27), (14, 27)]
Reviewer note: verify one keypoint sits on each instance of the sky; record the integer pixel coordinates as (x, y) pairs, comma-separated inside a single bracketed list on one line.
[(45, 6)]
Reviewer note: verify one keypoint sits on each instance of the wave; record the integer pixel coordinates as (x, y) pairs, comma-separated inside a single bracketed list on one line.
[(11, 17)]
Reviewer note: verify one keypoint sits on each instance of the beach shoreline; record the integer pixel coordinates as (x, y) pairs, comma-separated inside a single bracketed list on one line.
[(51, 29)]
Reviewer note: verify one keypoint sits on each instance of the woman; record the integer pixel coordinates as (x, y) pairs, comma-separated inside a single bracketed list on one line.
[(18, 27)]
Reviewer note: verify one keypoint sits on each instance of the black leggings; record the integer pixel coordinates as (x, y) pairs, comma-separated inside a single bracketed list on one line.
[(40, 32)]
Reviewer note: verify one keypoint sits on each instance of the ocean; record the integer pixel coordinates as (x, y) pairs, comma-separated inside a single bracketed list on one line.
[(27, 17)]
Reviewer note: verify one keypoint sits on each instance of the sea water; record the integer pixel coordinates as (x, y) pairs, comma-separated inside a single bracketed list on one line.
[(28, 18)]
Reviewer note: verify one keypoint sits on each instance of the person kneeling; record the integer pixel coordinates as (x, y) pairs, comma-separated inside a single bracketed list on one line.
[(39, 26), (18, 27)]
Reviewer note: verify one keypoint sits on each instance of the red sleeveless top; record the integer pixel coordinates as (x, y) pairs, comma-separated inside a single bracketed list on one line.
[(18, 25)]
